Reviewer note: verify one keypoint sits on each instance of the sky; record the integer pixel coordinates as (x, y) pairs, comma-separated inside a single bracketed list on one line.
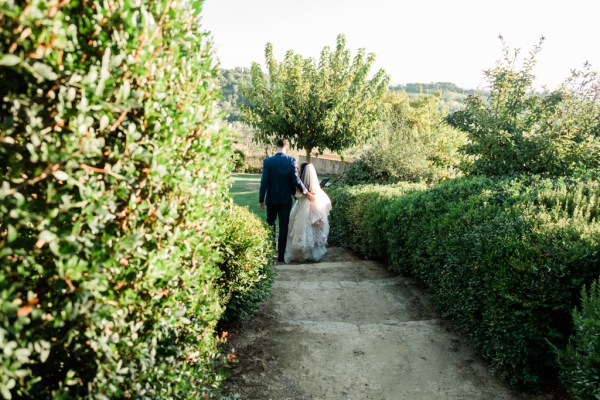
[(413, 40)]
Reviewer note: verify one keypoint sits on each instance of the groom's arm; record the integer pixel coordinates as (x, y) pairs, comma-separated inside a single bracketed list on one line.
[(264, 183), (296, 178)]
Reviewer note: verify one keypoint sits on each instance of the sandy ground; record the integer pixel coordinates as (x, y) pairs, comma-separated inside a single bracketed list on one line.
[(347, 328)]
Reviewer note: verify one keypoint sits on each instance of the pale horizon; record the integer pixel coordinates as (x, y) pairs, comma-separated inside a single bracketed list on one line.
[(424, 41)]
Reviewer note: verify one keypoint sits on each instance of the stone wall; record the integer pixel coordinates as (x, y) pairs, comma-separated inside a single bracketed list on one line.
[(326, 164)]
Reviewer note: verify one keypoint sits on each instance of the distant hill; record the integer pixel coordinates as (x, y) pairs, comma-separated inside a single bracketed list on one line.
[(230, 81), (451, 95), (431, 88)]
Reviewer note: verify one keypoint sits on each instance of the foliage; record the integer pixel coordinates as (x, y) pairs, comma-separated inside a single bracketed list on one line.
[(520, 131), (503, 258), (580, 362), (413, 144), (451, 96), (330, 104), (354, 205), (239, 160), (111, 193), (242, 137), (247, 263)]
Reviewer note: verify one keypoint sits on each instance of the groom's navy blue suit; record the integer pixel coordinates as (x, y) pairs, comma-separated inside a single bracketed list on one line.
[(278, 182)]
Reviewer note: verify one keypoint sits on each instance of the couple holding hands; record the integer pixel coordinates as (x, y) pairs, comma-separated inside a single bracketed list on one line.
[(303, 228)]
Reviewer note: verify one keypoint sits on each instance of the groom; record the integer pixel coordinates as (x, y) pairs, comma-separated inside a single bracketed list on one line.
[(278, 182)]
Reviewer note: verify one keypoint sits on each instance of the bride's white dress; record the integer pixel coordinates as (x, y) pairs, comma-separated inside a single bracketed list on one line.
[(309, 227)]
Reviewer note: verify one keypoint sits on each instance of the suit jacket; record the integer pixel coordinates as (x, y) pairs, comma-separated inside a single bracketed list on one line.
[(279, 180)]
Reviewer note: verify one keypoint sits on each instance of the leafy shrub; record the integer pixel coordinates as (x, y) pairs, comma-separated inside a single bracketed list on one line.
[(580, 362), (111, 190), (359, 172), (239, 161), (504, 259), (519, 130), (247, 252), (413, 144)]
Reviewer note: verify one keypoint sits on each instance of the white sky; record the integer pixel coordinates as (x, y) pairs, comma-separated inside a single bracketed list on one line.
[(414, 40)]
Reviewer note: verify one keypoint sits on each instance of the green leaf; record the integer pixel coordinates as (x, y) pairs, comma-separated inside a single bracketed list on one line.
[(45, 71), (23, 355), (9, 60), (12, 234), (60, 175), (5, 393)]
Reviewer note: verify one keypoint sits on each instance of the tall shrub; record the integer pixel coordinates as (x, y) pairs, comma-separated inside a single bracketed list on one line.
[(519, 130), (110, 193), (413, 144)]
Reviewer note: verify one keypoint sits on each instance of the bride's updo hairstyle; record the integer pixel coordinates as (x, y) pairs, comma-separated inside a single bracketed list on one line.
[(302, 167)]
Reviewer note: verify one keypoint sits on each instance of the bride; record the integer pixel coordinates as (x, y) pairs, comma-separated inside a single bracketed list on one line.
[(309, 227)]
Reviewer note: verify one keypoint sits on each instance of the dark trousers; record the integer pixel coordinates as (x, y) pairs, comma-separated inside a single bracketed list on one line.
[(281, 211)]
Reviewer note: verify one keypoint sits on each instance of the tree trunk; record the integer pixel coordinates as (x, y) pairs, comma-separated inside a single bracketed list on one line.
[(308, 151)]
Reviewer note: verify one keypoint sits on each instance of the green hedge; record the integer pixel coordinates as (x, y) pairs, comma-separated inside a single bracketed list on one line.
[(504, 258), (359, 215), (112, 187), (580, 361), (246, 268)]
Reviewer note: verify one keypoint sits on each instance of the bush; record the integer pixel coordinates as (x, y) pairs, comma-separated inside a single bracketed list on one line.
[(246, 267), (519, 130), (504, 259), (413, 144), (580, 362), (239, 161), (111, 193)]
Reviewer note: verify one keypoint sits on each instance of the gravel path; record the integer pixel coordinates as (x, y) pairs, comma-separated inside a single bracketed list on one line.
[(347, 328)]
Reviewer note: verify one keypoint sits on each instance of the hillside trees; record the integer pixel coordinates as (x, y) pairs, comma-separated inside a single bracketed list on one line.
[(330, 104), (230, 81)]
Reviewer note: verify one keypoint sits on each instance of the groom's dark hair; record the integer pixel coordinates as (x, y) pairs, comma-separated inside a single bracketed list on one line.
[(281, 143)]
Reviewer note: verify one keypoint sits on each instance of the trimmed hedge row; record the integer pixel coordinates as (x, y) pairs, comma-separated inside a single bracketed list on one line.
[(246, 269), (358, 216), (580, 361), (113, 190), (504, 259)]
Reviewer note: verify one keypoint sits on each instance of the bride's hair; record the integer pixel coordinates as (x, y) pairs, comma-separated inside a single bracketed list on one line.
[(310, 178), (302, 167)]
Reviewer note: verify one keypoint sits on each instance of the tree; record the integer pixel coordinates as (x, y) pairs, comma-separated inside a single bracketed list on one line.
[(331, 104), (518, 130)]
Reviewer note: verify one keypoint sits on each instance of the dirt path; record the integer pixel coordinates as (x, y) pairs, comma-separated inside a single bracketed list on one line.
[(346, 328)]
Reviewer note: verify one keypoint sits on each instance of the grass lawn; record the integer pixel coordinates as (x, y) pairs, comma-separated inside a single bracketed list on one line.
[(245, 191)]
